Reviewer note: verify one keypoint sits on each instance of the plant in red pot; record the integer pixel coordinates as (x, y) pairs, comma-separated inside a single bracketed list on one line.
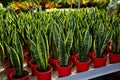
[(103, 35), (64, 67), (9, 69), (55, 45), (93, 30), (40, 49), (17, 58), (74, 50), (114, 55), (84, 41), (7, 40)]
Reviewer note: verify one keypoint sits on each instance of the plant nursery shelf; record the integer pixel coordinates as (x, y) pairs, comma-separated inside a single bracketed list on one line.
[(111, 68)]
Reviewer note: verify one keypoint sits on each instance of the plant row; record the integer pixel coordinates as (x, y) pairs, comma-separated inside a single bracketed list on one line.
[(52, 38)]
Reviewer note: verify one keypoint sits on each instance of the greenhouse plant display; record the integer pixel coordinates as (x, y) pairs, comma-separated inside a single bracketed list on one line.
[(84, 43), (114, 55), (57, 35), (102, 38)]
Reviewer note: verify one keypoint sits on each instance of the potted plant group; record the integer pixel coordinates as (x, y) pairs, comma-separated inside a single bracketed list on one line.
[(84, 43), (103, 35)]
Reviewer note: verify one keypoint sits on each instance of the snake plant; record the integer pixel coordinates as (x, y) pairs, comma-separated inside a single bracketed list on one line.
[(56, 42), (65, 46), (40, 50), (103, 35), (84, 43), (116, 38), (16, 55)]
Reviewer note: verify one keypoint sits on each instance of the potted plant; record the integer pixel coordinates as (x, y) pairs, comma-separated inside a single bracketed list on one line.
[(40, 49), (114, 55), (17, 59), (64, 66), (74, 51), (103, 35), (6, 40), (55, 46), (84, 43)]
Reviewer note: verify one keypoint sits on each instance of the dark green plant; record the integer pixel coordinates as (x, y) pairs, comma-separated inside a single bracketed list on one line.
[(56, 42), (103, 35), (84, 43), (65, 46), (116, 38), (16, 56), (40, 50)]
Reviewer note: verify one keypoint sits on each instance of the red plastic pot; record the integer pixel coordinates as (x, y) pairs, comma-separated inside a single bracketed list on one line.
[(114, 58), (106, 51), (44, 75), (91, 55), (64, 71), (25, 77), (73, 57), (27, 59), (53, 63), (99, 62), (25, 51), (8, 71), (33, 67), (82, 66)]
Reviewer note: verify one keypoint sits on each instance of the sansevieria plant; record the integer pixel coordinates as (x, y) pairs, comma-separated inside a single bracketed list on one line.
[(114, 55), (84, 43), (103, 35), (65, 46), (56, 42), (40, 50), (116, 38), (16, 57), (64, 66)]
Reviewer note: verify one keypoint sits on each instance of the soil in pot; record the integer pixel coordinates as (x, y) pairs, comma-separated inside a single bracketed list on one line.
[(82, 66), (99, 62), (25, 76), (114, 58), (64, 70), (41, 75)]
